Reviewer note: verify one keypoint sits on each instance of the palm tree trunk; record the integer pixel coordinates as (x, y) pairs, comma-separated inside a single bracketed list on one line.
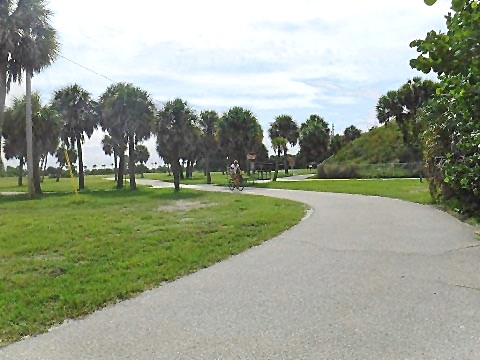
[(131, 161), (176, 174), (44, 166), (3, 95), (285, 161), (121, 167), (275, 175), (29, 133), (20, 171), (36, 174), (81, 176), (115, 163), (207, 169)]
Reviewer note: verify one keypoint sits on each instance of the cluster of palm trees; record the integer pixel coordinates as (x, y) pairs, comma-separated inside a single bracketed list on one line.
[(28, 43)]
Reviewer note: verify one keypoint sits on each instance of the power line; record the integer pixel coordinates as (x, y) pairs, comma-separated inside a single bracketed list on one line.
[(88, 69)]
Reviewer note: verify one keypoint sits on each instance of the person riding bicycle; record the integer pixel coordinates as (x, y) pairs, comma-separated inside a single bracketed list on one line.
[(235, 171)]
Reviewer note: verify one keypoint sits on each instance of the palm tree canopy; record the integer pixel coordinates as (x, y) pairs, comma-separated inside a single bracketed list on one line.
[(46, 128), (175, 129), (127, 110), (79, 113), (240, 133), (284, 127), (34, 39)]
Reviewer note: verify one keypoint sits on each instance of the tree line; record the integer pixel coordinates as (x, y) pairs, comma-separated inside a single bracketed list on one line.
[(28, 43), (128, 115)]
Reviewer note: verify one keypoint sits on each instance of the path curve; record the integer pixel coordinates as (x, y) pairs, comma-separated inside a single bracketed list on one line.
[(361, 278)]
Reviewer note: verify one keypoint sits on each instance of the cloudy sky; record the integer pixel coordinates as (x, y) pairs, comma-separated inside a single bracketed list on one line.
[(331, 58)]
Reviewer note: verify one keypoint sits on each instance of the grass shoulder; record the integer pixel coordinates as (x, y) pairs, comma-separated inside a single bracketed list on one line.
[(405, 189)]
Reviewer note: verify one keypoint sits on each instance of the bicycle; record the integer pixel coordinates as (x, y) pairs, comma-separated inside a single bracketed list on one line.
[(236, 182)]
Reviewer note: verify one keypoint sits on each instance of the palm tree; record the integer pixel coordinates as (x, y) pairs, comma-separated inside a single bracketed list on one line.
[(109, 148), (62, 159), (174, 121), (240, 133), (209, 122), (12, 20), (314, 139), (141, 156), (128, 114), (80, 118), (45, 131), (14, 135), (284, 127), (278, 143), (35, 48)]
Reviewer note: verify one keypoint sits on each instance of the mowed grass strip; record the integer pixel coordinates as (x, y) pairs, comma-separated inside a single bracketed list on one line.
[(97, 182), (64, 256), (405, 189)]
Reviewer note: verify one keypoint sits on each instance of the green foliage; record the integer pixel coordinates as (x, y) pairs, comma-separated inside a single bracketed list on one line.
[(46, 131), (240, 133), (176, 127), (453, 135), (314, 139), (209, 126), (80, 118), (380, 145), (402, 106), (284, 127), (141, 154), (64, 256), (128, 114)]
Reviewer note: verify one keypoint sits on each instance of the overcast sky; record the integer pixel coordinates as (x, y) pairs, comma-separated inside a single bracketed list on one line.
[(331, 58)]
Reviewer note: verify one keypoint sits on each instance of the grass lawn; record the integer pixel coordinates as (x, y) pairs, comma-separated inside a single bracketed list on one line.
[(97, 182), (404, 189), (64, 255), (217, 177)]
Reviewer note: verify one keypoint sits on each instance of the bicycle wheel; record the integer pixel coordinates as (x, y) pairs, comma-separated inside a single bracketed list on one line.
[(241, 185), (231, 185)]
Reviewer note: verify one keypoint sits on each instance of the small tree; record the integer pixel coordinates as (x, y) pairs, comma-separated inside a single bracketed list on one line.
[(141, 156)]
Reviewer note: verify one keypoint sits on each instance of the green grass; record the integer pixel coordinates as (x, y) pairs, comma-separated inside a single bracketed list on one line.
[(198, 178), (97, 182), (217, 177), (404, 189), (64, 255)]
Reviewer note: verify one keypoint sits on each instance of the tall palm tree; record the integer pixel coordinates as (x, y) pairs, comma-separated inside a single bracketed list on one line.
[(174, 121), (286, 128), (35, 48), (240, 133), (314, 139), (80, 118), (209, 122), (12, 20), (127, 113)]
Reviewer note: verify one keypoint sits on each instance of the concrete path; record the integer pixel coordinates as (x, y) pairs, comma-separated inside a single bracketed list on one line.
[(360, 278)]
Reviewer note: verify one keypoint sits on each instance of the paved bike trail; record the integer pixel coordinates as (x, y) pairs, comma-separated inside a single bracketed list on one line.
[(360, 278)]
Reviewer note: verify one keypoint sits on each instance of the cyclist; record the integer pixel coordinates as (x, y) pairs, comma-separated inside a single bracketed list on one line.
[(235, 172)]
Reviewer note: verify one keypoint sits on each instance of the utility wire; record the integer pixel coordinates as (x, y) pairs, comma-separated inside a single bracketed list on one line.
[(84, 67)]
